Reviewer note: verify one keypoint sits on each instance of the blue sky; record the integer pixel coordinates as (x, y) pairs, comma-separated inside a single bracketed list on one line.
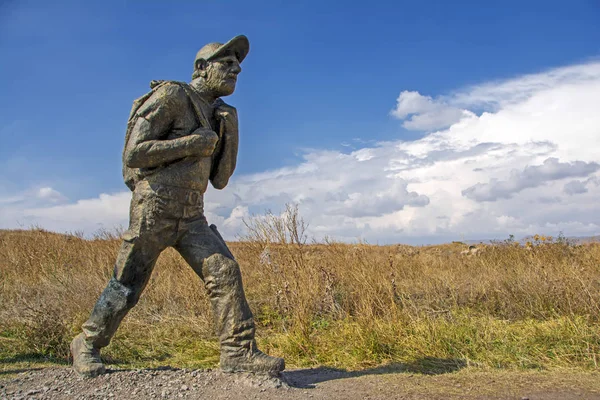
[(319, 78)]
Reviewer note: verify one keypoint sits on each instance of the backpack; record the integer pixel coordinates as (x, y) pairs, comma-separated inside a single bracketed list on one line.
[(131, 175)]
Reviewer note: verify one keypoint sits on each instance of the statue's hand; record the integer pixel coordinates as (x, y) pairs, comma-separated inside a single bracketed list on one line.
[(227, 115), (203, 141)]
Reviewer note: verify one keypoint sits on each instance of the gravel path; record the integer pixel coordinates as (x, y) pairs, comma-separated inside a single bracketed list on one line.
[(320, 383)]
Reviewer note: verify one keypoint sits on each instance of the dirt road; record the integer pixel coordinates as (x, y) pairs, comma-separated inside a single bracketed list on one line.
[(320, 383)]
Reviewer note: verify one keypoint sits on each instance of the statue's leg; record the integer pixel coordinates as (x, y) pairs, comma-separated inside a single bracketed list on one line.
[(149, 233), (133, 268), (210, 258)]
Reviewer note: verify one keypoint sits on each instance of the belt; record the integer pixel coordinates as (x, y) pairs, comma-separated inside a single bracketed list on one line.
[(186, 197)]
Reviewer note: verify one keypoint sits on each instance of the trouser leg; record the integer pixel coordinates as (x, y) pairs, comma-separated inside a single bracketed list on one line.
[(133, 268), (152, 228), (233, 319), (210, 258)]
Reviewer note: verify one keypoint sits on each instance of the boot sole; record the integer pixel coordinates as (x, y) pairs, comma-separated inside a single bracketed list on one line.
[(275, 370)]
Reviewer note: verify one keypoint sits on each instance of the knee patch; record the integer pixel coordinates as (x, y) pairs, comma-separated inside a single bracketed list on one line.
[(119, 296), (221, 270)]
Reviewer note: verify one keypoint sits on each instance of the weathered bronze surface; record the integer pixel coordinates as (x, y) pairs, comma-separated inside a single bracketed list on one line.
[(179, 137)]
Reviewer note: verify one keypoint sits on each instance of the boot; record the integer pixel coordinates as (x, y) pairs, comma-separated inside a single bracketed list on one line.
[(86, 358), (250, 360), (233, 319)]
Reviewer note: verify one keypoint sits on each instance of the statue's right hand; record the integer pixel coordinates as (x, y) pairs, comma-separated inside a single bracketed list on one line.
[(203, 141)]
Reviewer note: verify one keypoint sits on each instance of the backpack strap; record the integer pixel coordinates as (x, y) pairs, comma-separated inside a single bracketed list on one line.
[(203, 121), (201, 116)]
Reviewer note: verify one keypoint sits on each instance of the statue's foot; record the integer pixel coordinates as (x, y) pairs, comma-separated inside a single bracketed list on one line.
[(252, 361), (86, 359)]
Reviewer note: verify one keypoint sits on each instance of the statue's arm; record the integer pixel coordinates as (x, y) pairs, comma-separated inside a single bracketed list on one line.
[(144, 152), (147, 146), (224, 162)]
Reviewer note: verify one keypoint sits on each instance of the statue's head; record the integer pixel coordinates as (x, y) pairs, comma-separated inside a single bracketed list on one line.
[(218, 65)]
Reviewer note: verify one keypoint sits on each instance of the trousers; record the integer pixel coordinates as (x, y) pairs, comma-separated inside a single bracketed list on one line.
[(163, 216)]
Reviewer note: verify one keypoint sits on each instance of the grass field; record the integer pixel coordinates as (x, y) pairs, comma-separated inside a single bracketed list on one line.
[(427, 309)]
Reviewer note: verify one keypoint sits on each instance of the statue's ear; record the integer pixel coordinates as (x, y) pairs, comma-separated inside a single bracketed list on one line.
[(201, 64)]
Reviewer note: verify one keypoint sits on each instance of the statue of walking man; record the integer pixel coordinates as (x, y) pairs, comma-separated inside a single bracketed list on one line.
[(179, 137)]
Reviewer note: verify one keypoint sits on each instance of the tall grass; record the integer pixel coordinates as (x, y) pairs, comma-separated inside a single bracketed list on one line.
[(329, 303)]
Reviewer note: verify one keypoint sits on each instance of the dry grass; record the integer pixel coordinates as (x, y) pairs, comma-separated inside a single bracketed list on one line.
[(429, 309)]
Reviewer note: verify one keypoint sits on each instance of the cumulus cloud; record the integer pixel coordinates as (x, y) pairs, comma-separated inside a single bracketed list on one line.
[(106, 208), (47, 193), (512, 157), (497, 94), (575, 187), (47, 208), (530, 177), (426, 113)]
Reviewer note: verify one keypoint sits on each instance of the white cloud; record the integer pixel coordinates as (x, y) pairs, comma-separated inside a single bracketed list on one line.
[(47, 208), (575, 187), (504, 165), (530, 177), (47, 193), (497, 94), (426, 113)]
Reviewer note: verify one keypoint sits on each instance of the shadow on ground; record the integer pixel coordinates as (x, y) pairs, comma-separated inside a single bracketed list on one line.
[(34, 358), (40, 358), (301, 378), (308, 378)]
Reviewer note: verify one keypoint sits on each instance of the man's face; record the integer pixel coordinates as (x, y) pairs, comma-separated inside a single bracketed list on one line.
[(221, 75)]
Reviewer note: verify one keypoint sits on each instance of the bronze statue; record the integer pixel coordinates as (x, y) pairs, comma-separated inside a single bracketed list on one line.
[(179, 137)]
